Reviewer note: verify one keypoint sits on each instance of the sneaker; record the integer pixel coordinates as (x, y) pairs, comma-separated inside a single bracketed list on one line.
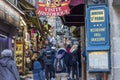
[(52, 78)]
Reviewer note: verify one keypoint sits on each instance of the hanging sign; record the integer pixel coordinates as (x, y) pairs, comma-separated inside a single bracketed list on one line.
[(53, 8)]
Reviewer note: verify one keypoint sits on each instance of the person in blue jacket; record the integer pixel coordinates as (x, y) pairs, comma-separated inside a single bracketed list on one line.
[(38, 73)]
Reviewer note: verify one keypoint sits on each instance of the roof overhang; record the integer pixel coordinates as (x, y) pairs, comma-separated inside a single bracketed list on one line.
[(76, 16)]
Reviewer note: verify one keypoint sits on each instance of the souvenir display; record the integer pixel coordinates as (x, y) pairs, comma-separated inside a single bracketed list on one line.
[(19, 56)]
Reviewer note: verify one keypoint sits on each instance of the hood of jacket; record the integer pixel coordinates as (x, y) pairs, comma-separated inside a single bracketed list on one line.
[(60, 53), (63, 49), (4, 61)]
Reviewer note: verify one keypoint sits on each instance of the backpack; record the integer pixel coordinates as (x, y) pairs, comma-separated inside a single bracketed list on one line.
[(59, 64), (48, 57)]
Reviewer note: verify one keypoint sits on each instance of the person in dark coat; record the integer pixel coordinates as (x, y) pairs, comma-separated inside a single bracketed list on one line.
[(47, 55), (8, 69), (76, 61), (37, 70), (68, 47), (61, 54)]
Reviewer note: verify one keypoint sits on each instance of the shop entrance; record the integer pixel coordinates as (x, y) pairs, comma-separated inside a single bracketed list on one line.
[(76, 21)]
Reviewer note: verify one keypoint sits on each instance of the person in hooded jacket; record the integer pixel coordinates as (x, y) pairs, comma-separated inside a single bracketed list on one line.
[(61, 54), (38, 73), (8, 69)]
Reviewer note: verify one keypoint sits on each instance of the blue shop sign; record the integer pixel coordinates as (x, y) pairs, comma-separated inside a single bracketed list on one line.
[(97, 25), (97, 46)]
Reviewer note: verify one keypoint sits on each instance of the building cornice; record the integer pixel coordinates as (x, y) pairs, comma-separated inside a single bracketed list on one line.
[(15, 7)]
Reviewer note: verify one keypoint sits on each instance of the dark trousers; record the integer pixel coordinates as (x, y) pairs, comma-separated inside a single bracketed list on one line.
[(69, 70), (49, 72), (74, 69)]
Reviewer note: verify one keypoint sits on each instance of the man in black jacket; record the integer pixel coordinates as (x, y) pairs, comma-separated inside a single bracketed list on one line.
[(47, 56)]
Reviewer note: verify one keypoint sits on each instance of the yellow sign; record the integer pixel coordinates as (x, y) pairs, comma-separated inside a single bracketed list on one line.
[(97, 15)]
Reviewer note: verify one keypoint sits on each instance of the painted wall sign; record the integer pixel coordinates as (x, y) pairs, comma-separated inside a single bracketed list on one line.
[(97, 25), (53, 8)]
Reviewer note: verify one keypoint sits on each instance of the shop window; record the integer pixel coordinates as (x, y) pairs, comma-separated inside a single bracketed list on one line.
[(3, 40), (3, 43), (13, 2)]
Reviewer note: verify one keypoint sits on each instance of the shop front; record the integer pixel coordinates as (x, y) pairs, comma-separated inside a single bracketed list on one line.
[(9, 24), (9, 29)]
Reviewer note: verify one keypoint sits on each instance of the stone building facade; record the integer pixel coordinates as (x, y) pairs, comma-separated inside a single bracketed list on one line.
[(114, 14), (114, 19)]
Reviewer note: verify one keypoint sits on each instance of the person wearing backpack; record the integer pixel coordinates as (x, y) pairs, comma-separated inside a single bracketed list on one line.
[(61, 63), (8, 69), (48, 55)]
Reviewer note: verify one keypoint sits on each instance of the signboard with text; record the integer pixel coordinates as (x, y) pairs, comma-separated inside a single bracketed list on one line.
[(97, 25), (53, 8), (97, 46)]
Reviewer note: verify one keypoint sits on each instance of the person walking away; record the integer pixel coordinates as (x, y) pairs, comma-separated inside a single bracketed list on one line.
[(8, 69), (48, 55), (75, 62), (61, 64), (68, 47), (37, 70), (34, 57), (48, 61)]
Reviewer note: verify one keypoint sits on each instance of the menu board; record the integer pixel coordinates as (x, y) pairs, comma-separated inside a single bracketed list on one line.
[(98, 60)]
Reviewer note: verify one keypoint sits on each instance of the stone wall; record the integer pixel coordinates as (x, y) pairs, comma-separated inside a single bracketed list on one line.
[(114, 13)]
